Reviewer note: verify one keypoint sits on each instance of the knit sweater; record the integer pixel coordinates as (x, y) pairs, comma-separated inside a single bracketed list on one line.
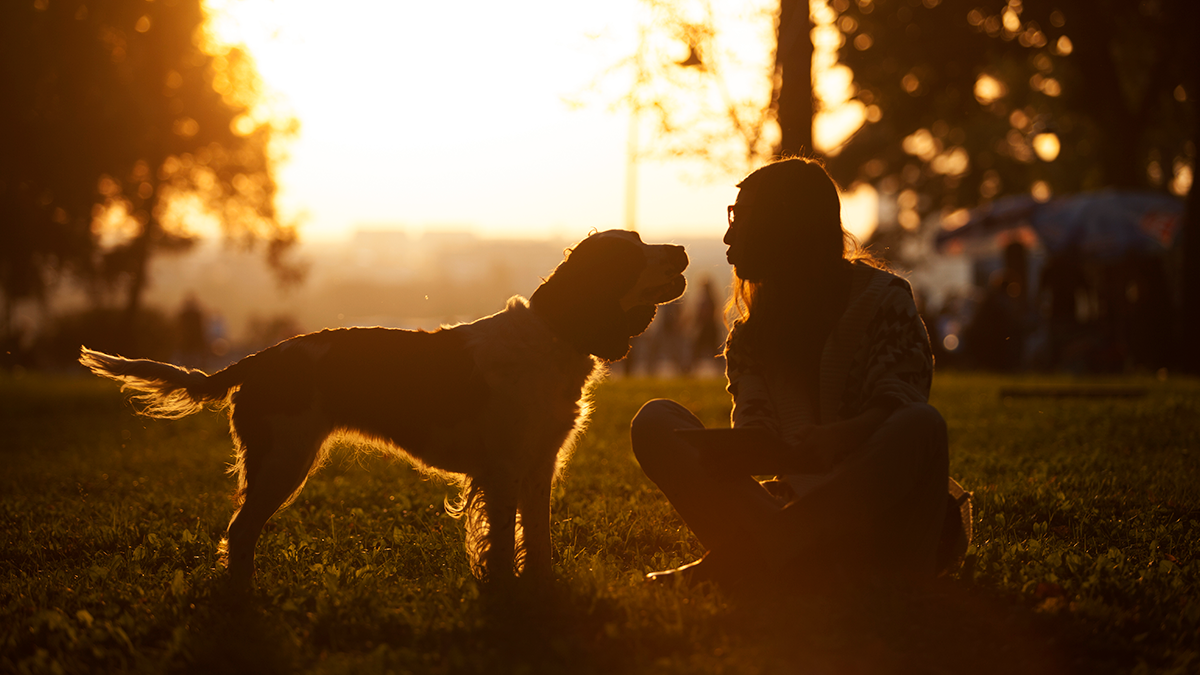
[(877, 350)]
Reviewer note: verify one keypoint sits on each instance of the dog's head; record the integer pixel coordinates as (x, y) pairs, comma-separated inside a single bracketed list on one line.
[(607, 290)]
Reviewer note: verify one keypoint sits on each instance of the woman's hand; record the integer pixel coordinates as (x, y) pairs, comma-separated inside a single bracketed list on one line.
[(837, 440)]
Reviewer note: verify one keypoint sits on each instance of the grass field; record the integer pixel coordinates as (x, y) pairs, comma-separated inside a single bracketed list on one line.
[(1085, 557)]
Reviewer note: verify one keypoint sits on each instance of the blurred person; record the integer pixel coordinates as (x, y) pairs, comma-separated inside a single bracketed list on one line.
[(665, 341), (945, 334), (997, 332), (193, 340), (1062, 283), (1151, 321), (704, 328), (829, 368)]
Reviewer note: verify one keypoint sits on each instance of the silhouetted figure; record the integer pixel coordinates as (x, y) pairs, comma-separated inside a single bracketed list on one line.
[(704, 326), (830, 369), (945, 331), (1151, 324), (996, 334), (664, 342), (193, 340), (1062, 283), (1133, 325)]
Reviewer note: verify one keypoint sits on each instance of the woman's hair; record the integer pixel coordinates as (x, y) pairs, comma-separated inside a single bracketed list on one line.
[(796, 238)]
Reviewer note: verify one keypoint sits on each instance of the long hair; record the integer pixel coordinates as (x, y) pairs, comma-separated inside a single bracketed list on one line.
[(801, 246)]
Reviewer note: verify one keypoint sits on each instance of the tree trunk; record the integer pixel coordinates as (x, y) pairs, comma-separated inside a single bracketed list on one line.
[(139, 276), (1118, 154), (1189, 315), (793, 72), (1189, 324)]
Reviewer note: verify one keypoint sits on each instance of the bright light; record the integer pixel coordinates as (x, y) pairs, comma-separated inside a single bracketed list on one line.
[(837, 116), (833, 127), (455, 116), (921, 143), (1182, 182), (427, 116), (954, 162), (1047, 146), (988, 89), (955, 219), (860, 211)]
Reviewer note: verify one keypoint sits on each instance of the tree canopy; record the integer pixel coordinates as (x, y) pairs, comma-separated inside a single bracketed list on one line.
[(125, 124), (968, 101)]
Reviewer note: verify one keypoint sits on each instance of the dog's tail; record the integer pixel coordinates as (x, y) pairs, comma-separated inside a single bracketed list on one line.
[(471, 506), (165, 391)]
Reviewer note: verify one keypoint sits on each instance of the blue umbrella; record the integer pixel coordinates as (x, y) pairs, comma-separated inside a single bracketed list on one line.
[(1104, 225)]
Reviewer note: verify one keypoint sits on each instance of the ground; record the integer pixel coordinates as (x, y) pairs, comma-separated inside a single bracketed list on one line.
[(1084, 558)]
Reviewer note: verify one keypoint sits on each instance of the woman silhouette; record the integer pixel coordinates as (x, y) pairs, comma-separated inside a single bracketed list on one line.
[(828, 363)]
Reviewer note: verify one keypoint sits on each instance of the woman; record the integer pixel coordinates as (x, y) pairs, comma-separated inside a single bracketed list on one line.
[(828, 355)]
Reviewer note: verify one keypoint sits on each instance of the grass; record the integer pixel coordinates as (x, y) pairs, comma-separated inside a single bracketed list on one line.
[(1085, 558)]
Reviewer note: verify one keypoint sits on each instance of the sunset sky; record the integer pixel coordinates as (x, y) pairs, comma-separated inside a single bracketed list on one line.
[(454, 116)]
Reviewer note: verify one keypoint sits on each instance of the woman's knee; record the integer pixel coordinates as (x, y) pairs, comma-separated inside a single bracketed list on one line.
[(921, 418), (652, 429), (919, 426)]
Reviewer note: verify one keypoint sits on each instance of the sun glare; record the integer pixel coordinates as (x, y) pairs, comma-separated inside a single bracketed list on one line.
[(423, 116)]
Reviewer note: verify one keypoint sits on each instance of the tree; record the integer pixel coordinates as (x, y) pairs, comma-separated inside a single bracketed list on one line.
[(792, 99), (1007, 98), (966, 101), (125, 124), (678, 82), (1054, 98)]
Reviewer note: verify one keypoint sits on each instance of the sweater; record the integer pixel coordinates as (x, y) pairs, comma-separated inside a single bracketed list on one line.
[(877, 353)]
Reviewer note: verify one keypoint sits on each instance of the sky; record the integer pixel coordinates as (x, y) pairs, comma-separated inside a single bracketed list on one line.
[(455, 116)]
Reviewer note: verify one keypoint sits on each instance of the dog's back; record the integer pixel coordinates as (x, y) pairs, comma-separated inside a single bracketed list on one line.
[(391, 384)]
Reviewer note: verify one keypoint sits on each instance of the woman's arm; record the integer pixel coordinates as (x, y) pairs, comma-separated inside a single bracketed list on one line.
[(898, 371), (752, 405), (835, 441)]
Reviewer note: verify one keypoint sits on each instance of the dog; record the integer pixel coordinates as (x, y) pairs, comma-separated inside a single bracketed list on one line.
[(496, 404)]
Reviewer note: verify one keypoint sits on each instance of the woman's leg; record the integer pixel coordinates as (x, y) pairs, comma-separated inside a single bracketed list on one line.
[(723, 511), (880, 512)]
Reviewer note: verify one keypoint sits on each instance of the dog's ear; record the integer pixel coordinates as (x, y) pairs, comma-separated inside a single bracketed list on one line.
[(581, 299), (603, 265)]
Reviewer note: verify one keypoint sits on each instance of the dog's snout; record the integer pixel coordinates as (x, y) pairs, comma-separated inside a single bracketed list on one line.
[(678, 258)]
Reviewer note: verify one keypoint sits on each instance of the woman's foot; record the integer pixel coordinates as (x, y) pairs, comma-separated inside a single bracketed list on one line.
[(710, 567), (691, 573)]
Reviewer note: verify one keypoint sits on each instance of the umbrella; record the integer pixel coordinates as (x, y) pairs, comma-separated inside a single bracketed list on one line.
[(1103, 225)]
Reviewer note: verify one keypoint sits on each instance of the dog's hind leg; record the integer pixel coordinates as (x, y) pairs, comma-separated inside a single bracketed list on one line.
[(276, 456), (533, 558)]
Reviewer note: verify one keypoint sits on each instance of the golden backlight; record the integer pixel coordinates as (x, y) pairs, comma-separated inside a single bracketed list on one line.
[(429, 115)]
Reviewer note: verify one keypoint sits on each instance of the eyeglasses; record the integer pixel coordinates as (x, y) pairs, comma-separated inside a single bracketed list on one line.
[(729, 213)]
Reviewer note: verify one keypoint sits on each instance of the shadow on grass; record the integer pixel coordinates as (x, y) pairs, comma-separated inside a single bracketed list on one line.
[(520, 630), (236, 636), (947, 628)]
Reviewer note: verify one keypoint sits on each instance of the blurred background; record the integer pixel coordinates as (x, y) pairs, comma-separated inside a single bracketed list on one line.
[(195, 181)]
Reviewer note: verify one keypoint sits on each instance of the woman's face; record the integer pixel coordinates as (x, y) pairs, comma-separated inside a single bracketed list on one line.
[(743, 249)]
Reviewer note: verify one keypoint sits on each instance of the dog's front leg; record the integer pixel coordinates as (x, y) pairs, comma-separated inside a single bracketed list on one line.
[(500, 506), (533, 554)]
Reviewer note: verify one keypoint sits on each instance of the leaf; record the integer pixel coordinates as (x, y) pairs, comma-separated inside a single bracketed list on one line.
[(178, 584)]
